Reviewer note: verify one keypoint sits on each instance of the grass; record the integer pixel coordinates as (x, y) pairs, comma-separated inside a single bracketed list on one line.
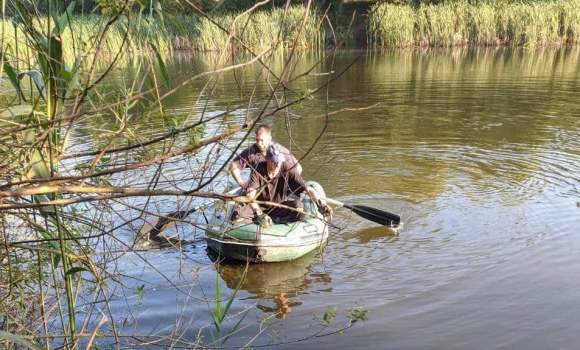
[(258, 31), (391, 26), (486, 23)]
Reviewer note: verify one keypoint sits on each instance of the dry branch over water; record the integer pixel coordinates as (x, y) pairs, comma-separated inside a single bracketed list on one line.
[(88, 157)]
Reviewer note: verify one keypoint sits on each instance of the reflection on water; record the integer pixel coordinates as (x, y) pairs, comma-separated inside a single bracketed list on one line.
[(369, 234), (281, 283)]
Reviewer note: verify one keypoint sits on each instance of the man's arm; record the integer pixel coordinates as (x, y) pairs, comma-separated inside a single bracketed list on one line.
[(252, 191), (251, 195), (298, 168), (260, 217), (238, 164), (298, 181), (313, 194), (323, 208), (237, 174)]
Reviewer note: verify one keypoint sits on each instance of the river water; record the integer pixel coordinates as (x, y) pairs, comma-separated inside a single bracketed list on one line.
[(478, 150)]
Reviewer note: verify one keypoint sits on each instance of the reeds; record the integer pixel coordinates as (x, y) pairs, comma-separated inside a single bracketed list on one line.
[(391, 26), (259, 30), (256, 31), (485, 23), (133, 35)]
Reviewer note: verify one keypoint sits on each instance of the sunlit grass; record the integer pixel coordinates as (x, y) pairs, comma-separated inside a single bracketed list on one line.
[(133, 35), (258, 30), (392, 26), (486, 23)]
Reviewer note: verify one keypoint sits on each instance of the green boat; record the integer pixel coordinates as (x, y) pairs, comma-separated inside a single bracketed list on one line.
[(281, 242)]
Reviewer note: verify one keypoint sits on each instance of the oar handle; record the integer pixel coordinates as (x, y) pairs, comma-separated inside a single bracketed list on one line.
[(375, 215), (335, 202)]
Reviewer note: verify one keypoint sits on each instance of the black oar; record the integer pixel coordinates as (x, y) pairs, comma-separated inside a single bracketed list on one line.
[(379, 216), (150, 230), (154, 228)]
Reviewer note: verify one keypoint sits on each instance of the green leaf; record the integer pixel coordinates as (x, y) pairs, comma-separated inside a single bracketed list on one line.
[(29, 136), (72, 79), (231, 300), (16, 111), (233, 296), (9, 70), (18, 340), (54, 78), (42, 171), (42, 49), (56, 259), (48, 209), (38, 81), (161, 64), (218, 303), (176, 23), (61, 23), (54, 136), (39, 165), (150, 81), (75, 269), (12, 76), (66, 75)]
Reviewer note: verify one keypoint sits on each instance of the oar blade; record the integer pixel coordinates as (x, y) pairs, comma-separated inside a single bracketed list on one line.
[(163, 223), (379, 216), (166, 222)]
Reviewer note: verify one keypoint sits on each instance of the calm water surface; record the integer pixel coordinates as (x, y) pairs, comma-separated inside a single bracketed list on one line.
[(477, 150)]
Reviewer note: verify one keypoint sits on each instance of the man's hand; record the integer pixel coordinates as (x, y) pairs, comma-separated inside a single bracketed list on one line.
[(263, 220), (243, 188), (325, 210)]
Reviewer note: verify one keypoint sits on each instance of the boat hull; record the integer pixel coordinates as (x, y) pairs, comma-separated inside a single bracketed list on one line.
[(282, 242)]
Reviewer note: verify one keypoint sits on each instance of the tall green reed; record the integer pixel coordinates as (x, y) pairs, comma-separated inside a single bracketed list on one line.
[(221, 313), (54, 80), (481, 23), (571, 21), (257, 30), (392, 26), (260, 29)]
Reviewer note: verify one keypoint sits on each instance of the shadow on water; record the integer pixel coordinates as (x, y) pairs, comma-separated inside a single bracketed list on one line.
[(281, 283)]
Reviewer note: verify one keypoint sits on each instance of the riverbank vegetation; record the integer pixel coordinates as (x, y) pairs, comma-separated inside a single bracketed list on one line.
[(296, 26), (489, 23), (398, 24)]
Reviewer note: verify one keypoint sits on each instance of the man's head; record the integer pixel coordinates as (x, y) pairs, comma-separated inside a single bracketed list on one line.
[(274, 154), (263, 137), (274, 160)]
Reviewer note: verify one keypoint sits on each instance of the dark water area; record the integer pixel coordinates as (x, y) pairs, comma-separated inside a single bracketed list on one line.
[(478, 150)]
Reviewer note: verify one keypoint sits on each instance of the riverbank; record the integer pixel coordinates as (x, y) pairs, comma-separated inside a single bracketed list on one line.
[(486, 23), (258, 31), (382, 26), (388, 26)]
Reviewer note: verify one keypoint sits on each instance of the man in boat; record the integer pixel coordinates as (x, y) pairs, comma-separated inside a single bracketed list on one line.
[(277, 181), (256, 154)]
